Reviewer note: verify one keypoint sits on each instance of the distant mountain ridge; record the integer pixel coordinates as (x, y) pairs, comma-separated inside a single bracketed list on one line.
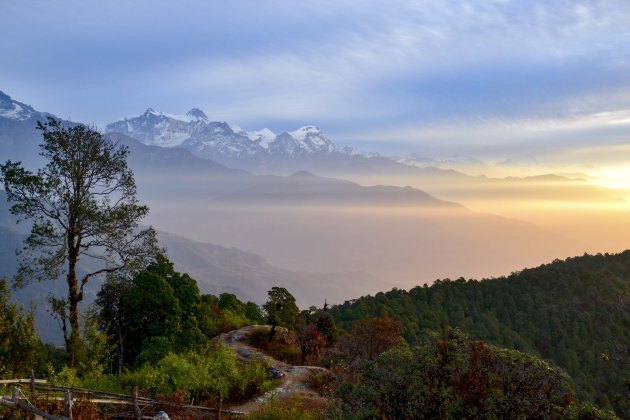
[(14, 109), (217, 269), (211, 139)]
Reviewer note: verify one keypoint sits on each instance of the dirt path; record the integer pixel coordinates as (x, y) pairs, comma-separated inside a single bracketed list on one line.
[(296, 379)]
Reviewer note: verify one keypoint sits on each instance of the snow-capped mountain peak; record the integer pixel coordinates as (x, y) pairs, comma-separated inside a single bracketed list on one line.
[(263, 137), (153, 128), (196, 114), (311, 139), (303, 132), (235, 128), (14, 110), (213, 139)]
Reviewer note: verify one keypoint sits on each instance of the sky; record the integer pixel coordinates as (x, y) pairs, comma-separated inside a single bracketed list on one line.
[(493, 79)]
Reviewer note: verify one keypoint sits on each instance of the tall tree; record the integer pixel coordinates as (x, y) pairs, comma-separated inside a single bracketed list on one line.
[(281, 309), (83, 207)]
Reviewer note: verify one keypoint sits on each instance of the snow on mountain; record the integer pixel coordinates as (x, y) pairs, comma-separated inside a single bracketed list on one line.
[(196, 114), (14, 110), (263, 137), (353, 151), (450, 162), (313, 140), (212, 139), (155, 128)]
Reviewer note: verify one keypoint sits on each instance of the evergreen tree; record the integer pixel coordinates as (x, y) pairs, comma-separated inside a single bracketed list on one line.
[(281, 309)]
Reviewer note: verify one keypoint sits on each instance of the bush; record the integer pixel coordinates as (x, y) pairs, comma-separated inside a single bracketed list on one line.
[(283, 346), (451, 376), (254, 378), (203, 377), (322, 382), (291, 410)]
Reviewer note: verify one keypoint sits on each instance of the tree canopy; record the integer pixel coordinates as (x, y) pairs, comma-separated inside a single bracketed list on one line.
[(281, 308), (152, 314), (570, 312), (450, 376)]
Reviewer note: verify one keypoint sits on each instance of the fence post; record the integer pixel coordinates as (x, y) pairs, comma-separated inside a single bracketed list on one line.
[(32, 384), (137, 414), (14, 398), (68, 405)]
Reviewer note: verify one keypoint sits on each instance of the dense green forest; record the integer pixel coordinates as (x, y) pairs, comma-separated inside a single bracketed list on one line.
[(572, 313)]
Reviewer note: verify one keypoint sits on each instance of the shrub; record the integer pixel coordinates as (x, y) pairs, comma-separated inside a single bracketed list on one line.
[(322, 382), (289, 410), (254, 378), (283, 346), (216, 375), (451, 376)]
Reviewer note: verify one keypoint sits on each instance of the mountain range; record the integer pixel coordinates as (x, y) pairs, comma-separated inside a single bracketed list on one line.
[(309, 149), (213, 139)]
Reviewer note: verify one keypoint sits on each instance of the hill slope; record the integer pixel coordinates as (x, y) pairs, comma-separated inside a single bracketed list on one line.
[(570, 312)]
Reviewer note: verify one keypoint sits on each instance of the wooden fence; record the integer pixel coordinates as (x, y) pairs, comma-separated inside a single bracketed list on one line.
[(38, 387)]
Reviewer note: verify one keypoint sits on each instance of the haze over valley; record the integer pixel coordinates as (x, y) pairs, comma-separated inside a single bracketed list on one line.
[(330, 228)]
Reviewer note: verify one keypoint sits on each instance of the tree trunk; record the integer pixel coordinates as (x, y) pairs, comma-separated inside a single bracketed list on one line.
[(137, 414), (73, 299), (68, 405), (121, 352)]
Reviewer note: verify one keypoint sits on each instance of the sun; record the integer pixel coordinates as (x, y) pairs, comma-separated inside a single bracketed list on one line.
[(614, 177)]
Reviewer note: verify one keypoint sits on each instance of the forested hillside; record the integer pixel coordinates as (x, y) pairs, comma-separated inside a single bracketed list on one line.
[(574, 313)]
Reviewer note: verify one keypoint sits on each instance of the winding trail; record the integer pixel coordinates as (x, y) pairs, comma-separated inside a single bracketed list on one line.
[(296, 379)]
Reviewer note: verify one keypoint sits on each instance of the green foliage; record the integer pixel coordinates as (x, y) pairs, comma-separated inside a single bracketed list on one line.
[(568, 311), (20, 346), (370, 337), (281, 308), (154, 314), (93, 351), (282, 346), (229, 301), (450, 376), (224, 371), (216, 374), (326, 325), (67, 377), (254, 377), (226, 313), (253, 313), (83, 206), (587, 411), (51, 359), (290, 410)]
